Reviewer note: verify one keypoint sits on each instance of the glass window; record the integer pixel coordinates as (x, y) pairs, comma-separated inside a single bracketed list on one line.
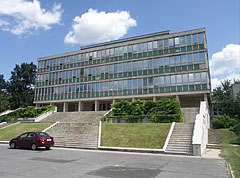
[(135, 66), (144, 82), (194, 39), (145, 64), (106, 86), (120, 67), (107, 53), (145, 47), (135, 48), (177, 41), (177, 60), (189, 56), (195, 57), (155, 63), (173, 80), (155, 81), (166, 43), (161, 62), (106, 69), (125, 67), (150, 82), (102, 69), (200, 38), (134, 83), (160, 44), (155, 46), (167, 80), (179, 79), (120, 85), (184, 59), (150, 64), (125, 49), (185, 78), (139, 83), (101, 86), (149, 46), (120, 50), (97, 87), (94, 55), (161, 80), (172, 62), (98, 54), (111, 52), (166, 61), (77, 88), (140, 65), (204, 77), (130, 82), (85, 87), (115, 85), (130, 49), (202, 57), (111, 69), (189, 42), (89, 87), (86, 72), (171, 42), (115, 68), (191, 77), (197, 77), (130, 66), (110, 86), (182, 40), (140, 47), (93, 87), (116, 51)]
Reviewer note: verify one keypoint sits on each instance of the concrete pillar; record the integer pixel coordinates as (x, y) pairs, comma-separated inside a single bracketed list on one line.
[(38, 105), (80, 106), (133, 99), (114, 101), (65, 107), (96, 105), (154, 98), (177, 97), (51, 104), (205, 97)]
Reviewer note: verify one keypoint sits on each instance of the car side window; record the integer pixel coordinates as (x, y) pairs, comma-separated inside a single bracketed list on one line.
[(23, 135), (31, 135)]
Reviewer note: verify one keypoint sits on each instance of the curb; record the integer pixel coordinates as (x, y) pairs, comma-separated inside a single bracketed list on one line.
[(125, 149), (4, 142)]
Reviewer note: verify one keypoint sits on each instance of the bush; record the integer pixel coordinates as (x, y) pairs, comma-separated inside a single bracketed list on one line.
[(223, 121), (236, 141), (236, 129)]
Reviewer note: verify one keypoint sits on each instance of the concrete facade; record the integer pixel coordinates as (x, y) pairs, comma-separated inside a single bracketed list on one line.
[(150, 67)]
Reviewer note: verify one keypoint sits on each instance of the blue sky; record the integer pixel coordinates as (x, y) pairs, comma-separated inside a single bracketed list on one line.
[(33, 29)]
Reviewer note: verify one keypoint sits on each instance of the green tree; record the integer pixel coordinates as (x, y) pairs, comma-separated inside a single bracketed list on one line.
[(21, 85), (4, 98)]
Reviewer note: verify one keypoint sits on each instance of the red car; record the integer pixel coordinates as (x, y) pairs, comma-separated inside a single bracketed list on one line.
[(32, 140)]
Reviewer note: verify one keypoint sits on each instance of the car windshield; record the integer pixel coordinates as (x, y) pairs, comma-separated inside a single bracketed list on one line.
[(42, 134)]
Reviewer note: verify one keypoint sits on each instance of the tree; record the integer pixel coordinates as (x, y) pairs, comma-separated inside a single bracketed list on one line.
[(20, 86), (226, 103), (4, 98)]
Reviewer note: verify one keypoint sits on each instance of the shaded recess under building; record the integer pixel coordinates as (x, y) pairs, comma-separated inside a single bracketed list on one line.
[(149, 67)]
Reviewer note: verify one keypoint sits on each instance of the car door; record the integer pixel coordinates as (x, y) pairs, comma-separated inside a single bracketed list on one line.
[(21, 140), (30, 139)]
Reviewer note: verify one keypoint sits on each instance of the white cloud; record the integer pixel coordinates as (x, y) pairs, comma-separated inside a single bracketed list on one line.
[(22, 16), (225, 64), (95, 27)]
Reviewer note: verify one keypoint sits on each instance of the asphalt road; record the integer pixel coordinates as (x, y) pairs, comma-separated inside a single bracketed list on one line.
[(70, 163)]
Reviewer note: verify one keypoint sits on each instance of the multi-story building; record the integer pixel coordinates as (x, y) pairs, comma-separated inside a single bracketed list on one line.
[(148, 67)]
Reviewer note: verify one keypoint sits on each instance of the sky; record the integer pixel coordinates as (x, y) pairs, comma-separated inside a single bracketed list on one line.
[(30, 29)]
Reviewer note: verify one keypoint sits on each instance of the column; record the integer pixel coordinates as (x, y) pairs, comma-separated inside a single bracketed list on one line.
[(205, 97), (38, 105), (80, 106), (96, 105), (65, 107), (133, 99), (114, 101), (154, 98), (177, 98), (51, 104)]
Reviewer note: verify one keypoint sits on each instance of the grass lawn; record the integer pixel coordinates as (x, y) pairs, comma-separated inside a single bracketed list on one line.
[(135, 135), (10, 132), (230, 153)]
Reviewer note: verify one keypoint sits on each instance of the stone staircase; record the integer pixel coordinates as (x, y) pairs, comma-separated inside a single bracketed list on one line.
[(214, 139), (75, 129), (181, 139)]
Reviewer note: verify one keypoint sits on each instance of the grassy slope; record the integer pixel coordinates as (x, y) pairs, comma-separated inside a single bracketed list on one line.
[(10, 132), (229, 152), (135, 135)]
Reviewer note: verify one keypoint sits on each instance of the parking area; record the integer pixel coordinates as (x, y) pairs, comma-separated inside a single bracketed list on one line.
[(96, 164)]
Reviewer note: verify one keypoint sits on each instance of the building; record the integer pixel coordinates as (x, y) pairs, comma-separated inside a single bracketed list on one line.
[(148, 67)]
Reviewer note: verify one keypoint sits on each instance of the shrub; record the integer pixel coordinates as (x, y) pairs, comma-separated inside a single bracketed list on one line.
[(236, 141), (236, 128), (223, 121)]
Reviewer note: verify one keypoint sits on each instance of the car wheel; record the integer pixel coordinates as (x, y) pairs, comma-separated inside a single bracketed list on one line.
[(12, 145), (48, 147), (34, 146)]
